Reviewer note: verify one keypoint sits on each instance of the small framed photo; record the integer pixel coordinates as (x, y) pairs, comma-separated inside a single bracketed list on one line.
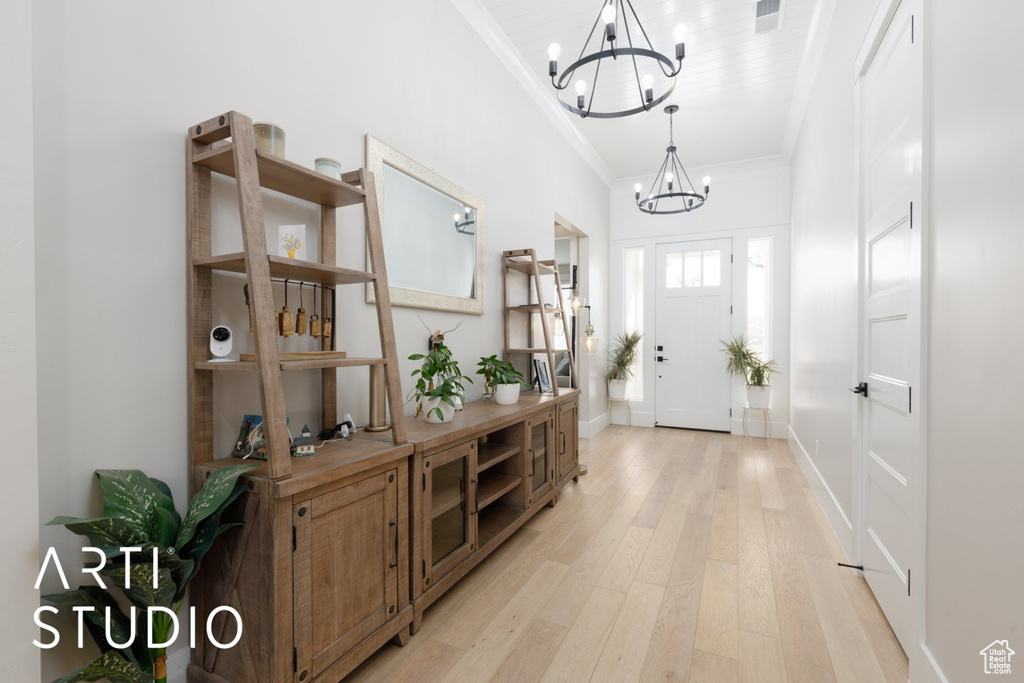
[(543, 376), (291, 241)]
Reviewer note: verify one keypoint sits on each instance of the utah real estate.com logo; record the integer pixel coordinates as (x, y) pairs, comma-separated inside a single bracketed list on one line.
[(997, 657)]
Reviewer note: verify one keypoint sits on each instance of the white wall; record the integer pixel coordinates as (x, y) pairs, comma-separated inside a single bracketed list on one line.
[(748, 199), (975, 469), (972, 222), (117, 84), (19, 500), (824, 274)]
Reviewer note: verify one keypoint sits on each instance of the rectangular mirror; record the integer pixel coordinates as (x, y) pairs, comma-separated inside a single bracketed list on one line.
[(432, 231)]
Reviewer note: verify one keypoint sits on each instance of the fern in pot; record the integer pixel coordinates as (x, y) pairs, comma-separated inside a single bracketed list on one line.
[(501, 380), (438, 384), (139, 512), (623, 356), (742, 361)]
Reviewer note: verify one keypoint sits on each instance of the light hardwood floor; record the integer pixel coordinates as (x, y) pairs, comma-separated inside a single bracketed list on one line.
[(686, 556)]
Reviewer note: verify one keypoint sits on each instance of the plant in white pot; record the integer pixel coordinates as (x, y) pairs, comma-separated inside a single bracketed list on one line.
[(742, 361), (621, 360), (438, 384), (501, 380)]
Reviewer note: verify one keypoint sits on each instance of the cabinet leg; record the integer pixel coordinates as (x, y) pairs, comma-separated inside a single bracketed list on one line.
[(402, 637), (553, 502), (417, 620)]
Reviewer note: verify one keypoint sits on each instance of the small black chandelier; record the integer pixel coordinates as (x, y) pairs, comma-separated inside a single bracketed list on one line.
[(665, 182), (463, 224), (611, 46)]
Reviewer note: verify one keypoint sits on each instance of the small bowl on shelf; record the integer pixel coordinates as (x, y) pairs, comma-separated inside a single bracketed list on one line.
[(269, 138)]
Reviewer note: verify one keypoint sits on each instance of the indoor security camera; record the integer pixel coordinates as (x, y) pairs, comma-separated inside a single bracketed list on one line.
[(220, 343)]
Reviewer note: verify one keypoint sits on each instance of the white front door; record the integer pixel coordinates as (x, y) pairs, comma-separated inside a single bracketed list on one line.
[(890, 136), (694, 311)]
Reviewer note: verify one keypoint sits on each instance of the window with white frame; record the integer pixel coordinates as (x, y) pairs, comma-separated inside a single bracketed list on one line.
[(759, 293), (633, 312)]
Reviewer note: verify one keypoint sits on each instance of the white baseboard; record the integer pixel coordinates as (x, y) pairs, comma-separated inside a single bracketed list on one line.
[(755, 427), (177, 666), (924, 668), (638, 418), (589, 429), (837, 519)]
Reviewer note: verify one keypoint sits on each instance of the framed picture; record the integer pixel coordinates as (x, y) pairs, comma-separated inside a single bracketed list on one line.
[(291, 241), (543, 377)]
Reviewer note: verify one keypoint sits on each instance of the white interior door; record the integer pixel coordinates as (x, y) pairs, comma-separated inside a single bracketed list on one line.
[(694, 311), (891, 326)]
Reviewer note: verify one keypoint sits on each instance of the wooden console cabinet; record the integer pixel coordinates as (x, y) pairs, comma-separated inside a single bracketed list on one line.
[(478, 479)]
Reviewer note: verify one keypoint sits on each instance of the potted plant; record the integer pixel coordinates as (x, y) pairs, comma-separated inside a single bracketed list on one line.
[(501, 380), (622, 358), (438, 384), (138, 511), (743, 362)]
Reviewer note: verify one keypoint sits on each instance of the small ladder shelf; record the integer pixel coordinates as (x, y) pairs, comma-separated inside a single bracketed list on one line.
[(525, 261), (226, 144)]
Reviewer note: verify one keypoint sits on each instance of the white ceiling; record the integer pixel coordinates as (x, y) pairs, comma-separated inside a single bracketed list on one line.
[(735, 90)]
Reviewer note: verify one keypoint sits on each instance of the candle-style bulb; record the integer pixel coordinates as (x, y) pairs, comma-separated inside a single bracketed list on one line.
[(608, 14), (581, 88), (555, 51), (678, 33)]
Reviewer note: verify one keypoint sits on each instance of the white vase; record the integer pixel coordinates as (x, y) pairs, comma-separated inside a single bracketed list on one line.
[(506, 394), (616, 389), (759, 397), (447, 411)]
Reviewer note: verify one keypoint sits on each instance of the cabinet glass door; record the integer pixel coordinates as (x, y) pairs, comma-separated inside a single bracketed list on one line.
[(539, 439), (447, 507)]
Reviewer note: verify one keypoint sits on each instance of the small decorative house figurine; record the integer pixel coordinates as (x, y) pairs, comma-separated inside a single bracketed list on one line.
[(305, 443)]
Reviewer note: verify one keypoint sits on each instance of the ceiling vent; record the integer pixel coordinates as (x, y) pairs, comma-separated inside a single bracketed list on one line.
[(769, 13)]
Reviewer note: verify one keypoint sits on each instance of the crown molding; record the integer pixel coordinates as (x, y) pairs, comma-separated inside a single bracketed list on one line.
[(820, 25), (484, 24)]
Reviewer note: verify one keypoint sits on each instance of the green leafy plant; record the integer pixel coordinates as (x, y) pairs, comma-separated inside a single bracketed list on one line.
[(138, 511), (624, 356), (497, 372), (743, 361), (438, 377)]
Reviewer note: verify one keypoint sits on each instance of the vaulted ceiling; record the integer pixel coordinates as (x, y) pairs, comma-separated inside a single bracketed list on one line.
[(735, 90)]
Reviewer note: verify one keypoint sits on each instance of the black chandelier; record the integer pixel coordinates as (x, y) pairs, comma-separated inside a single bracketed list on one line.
[(665, 182), (464, 223), (611, 46)]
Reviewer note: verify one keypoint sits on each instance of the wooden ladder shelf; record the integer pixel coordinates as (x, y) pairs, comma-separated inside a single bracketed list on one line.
[(226, 144), (525, 261)]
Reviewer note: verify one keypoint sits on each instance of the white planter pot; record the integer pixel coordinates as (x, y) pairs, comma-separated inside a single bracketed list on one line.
[(759, 397), (617, 389), (506, 394), (447, 411)]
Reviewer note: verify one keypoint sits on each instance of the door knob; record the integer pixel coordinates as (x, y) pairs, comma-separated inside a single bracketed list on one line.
[(661, 359), (861, 388)]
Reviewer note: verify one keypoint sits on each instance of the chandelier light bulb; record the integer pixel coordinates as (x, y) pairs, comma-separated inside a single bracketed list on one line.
[(707, 181), (679, 34), (669, 177), (554, 51), (581, 88), (608, 14), (638, 187), (457, 218), (647, 82)]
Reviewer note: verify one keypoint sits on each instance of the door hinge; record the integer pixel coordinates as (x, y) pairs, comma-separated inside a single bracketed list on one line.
[(295, 541), (908, 583), (730, 412), (730, 309), (295, 659), (911, 215), (730, 258), (910, 400), (911, 29)]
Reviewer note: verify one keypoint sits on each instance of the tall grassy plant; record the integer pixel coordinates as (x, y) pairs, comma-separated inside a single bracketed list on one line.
[(624, 355), (138, 511), (743, 361)]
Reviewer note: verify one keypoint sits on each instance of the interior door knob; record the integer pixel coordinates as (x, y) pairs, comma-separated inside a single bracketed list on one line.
[(861, 388)]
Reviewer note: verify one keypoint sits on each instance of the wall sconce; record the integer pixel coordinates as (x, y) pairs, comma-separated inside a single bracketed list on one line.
[(590, 338)]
